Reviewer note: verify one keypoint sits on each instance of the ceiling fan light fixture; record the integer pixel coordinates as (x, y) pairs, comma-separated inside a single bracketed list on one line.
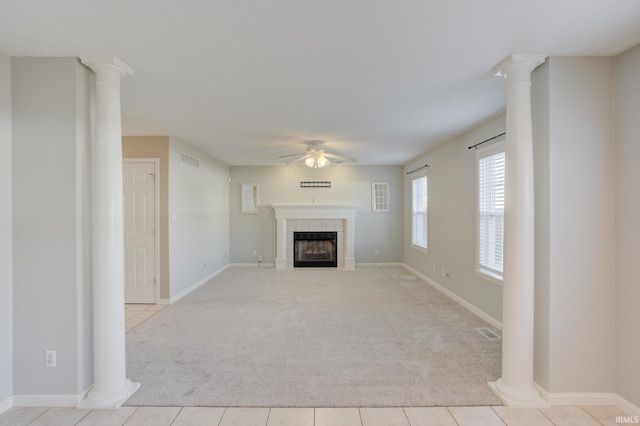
[(316, 160), (316, 157)]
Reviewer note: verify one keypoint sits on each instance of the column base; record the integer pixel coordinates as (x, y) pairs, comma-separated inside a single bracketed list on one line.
[(516, 398), (281, 263), (111, 401), (349, 263)]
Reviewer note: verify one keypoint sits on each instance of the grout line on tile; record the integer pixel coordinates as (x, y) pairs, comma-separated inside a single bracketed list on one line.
[(405, 416), (268, 415), (452, 416), (589, 414), (83, 417), (222, 416), (177, 415)]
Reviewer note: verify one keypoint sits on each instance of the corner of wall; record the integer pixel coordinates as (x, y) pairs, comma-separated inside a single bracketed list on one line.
[(627, 205), (6, 239)]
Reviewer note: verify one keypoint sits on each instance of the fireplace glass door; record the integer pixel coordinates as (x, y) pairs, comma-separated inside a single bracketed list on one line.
[(315, 249)]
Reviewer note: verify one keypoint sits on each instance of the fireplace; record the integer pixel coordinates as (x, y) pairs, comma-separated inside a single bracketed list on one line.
[(323, 218), (315, 249)]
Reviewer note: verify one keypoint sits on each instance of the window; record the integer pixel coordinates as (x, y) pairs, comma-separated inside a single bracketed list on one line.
[(491, 167), (249, 198), (379, 196), (419, 210)]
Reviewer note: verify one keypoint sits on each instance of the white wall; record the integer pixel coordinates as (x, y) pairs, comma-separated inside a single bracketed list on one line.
[(198, 217), (6, 279), (349, 185), (452, 219), (627, 302), (49, 171), (573, 138)]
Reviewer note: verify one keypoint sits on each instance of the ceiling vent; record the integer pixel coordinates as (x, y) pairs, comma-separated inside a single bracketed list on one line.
[(189, 160)]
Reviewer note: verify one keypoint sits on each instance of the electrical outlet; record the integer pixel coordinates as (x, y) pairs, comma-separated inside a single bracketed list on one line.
[(448, 274), (376, 252), (50, 358), (260, 258)]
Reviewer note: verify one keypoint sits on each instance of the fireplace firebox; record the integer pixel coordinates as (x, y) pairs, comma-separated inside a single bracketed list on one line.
[(315, 249)]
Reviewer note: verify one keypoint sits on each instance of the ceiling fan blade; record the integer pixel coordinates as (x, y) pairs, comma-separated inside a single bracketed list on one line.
[(292, 155), (296, 160), (340, 158)]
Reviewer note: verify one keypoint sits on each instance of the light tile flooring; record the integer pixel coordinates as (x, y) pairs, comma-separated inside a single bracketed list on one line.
[(137, 313), (234, 416)]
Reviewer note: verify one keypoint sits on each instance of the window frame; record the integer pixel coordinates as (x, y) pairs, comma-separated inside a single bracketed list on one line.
[(249, 198), (481, 270), (376, 197), (414, 245)]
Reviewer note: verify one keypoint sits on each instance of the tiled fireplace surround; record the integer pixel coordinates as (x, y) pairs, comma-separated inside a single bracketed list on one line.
[(292, 218)]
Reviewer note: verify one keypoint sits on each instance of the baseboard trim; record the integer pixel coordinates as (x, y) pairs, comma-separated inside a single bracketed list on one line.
[(626, 406), (6, 404), (588, 398), (381, 264), (488, 318), (185, 292), (47, 400), (254, 265)]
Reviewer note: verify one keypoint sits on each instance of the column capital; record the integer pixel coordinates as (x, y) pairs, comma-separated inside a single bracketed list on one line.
[(107, 63), (517, 64)]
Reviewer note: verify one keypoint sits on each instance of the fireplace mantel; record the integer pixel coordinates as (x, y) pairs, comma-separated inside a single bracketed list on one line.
[(315, 211), (319, 214)]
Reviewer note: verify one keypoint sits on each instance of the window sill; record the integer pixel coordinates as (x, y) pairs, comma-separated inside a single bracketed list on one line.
[(490, 276), (420, 249)]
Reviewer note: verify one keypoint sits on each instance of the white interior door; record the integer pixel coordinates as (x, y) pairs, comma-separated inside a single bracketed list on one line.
[(140, 245)]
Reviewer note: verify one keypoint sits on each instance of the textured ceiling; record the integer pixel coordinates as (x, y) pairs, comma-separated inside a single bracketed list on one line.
[(379, 80)]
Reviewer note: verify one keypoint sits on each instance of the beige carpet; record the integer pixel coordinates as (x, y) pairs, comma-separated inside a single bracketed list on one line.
[(253, 337)]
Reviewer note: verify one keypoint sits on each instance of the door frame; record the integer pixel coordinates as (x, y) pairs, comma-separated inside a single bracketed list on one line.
[(156, 218)]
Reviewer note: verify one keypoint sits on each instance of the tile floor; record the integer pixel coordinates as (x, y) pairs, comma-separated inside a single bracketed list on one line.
[(235, 416), (137, 313)]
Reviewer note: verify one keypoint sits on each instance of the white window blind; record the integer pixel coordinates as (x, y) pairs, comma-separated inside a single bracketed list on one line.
[(491, 169), (419, 204)]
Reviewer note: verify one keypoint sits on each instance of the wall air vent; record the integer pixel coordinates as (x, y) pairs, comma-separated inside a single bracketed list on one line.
[(315, 184), (488, 333), (189, 160)]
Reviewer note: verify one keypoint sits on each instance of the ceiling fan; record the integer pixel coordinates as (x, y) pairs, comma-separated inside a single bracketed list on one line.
[(316, 157)]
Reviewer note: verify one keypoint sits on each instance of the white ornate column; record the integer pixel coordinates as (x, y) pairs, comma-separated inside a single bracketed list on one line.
[(515, 387), (111, 386)]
